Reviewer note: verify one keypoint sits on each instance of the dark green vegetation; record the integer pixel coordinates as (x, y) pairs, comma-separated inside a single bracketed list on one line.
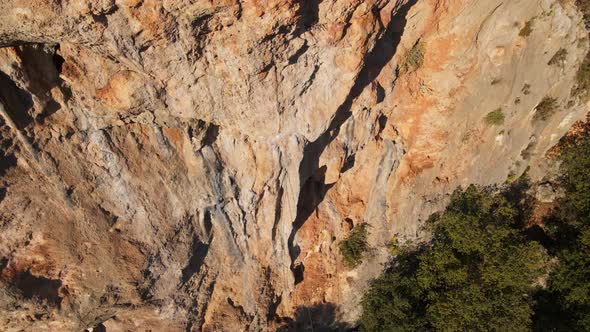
[(582, 89), (545, 109), (495, 118), (354, 247), (484, 270), (565, 304), (474, 275)]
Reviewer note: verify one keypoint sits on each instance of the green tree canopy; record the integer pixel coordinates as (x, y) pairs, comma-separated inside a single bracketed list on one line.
[(477, 273), (565, 305)]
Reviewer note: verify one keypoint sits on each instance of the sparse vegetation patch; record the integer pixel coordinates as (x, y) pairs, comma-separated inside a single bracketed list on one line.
[(526, 89), (582, 89), (414, 58), (558, 58), (527, 29), (495, 118), (354, 247), (545, 109)]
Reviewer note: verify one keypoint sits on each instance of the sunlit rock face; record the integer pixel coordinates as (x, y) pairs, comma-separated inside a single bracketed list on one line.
[(192, 165)]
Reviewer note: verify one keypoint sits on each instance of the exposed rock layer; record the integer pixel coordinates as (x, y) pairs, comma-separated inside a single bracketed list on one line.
[(193, 165)]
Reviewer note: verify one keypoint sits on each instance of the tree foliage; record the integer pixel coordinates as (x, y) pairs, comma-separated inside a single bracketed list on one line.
[(480, 272), (477, 273), (565, 305)]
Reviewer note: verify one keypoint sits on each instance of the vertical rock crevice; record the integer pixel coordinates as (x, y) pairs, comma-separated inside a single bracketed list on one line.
[(311, 174)]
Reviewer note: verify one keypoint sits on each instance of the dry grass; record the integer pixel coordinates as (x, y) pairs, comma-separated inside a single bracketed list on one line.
[(527, 29), (414, 58)]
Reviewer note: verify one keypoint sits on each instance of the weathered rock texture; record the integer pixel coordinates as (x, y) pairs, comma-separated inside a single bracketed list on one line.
[(193, 165)]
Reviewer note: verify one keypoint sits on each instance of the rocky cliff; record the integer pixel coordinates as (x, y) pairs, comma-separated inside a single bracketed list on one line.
[(193, 165)]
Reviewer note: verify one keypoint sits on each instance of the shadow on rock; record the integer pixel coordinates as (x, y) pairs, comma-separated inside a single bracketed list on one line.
[(316, 318)]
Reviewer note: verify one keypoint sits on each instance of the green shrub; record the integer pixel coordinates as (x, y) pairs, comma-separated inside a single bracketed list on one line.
[(511, 177), (575, 170), (393, 246), (545, 109), (477, 273), (394, 302), (582, 88), (414, 58), (558, 57), (354, 247), (495, 118), (527, 29)]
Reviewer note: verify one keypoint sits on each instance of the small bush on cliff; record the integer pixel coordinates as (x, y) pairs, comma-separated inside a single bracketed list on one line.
[(477, 274), (582, 89), (558, 58), (414, 58), (527, 29), (545, 109), (354, 247), (495, 118)]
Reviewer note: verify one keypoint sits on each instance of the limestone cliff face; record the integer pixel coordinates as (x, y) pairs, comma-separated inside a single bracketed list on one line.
[(193, 165)]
